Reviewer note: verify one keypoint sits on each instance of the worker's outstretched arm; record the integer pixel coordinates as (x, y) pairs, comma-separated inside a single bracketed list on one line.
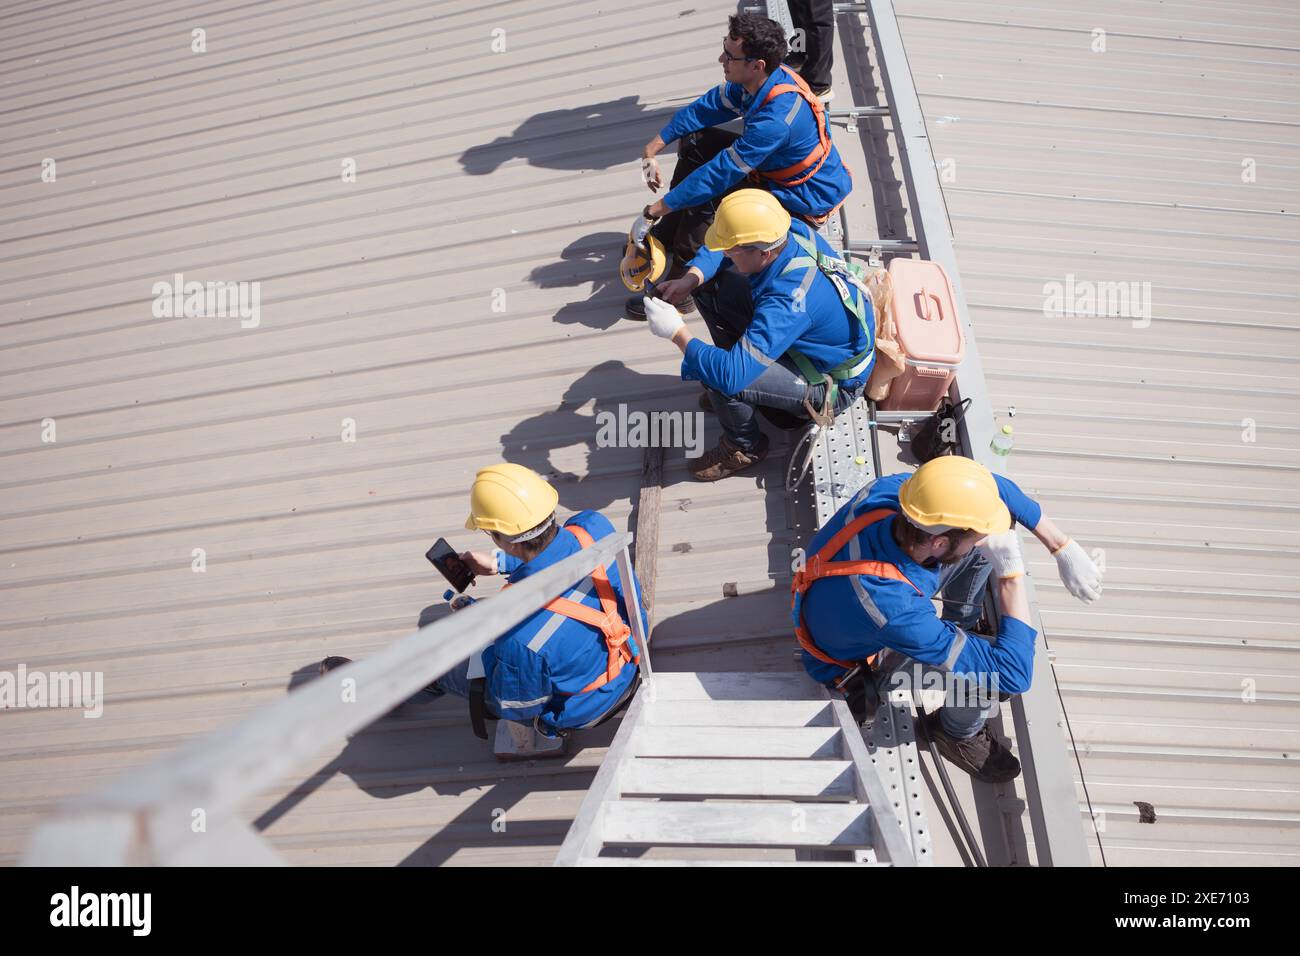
[(914, 630), (763, 134), (719, 105), (1079, 573), (775, 327)]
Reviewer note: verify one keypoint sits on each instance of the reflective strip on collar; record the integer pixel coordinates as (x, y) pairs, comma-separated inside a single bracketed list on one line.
[(753, 350), (722, 95), (735, 158), (547, 630)]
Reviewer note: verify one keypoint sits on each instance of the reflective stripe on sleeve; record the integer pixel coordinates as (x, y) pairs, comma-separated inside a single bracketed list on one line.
[(753, 350), (735, 158)]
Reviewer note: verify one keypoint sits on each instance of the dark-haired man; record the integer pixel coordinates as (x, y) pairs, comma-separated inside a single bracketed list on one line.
[(785, 147)]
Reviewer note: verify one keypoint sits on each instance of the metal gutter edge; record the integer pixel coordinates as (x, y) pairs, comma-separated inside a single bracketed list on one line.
[(1049, 783)]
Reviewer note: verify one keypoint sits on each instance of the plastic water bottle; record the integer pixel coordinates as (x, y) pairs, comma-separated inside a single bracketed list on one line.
[(457, 601), (1002, 441)]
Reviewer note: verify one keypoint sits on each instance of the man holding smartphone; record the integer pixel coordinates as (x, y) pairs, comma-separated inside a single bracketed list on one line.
[(568, 666)]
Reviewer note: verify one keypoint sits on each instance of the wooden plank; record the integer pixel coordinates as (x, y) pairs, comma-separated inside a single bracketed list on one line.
[(584, 837), (650, 823), (739, 713), (647, 528), (806, 779), (770, 742), (737, 685)]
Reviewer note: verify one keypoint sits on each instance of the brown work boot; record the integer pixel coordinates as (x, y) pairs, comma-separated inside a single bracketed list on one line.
[(982, 756), (727, 459)]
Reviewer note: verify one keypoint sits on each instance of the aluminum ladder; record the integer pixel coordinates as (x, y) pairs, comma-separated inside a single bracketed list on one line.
[(749, 769)]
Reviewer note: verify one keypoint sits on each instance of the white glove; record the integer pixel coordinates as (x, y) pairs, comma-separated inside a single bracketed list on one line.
[(641, 229), (650, 173), (664, 319), (1003, 552), (1079, 573)]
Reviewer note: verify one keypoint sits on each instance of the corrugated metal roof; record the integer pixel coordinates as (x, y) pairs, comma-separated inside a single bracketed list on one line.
[(476, 171), (515, 171), (1172, 447)]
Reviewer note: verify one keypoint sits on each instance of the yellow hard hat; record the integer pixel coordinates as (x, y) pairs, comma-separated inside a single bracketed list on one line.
[(510, 499), (747, 216), (642, 264), (952, 492)]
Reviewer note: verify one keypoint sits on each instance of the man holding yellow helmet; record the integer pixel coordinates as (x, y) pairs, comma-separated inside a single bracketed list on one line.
[(791, 323)]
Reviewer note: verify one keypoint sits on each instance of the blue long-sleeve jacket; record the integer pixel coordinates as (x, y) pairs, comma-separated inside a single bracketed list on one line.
[(815, 322), (539, 667), (777, 134), (852, 617)]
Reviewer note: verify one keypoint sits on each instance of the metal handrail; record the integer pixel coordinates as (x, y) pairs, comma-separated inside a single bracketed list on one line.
[(148, 816)]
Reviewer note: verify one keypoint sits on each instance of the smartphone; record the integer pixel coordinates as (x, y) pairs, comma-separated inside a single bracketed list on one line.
[(446, 559)]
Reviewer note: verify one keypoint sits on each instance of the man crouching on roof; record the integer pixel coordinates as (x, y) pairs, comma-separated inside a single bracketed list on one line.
[(791, 322), (571, 664), (786, 147), (863, 602)]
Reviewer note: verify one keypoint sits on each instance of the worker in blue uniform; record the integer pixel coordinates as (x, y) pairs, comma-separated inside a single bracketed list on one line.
[(791, 323), (572, 663), (786, 147), (863, 600)]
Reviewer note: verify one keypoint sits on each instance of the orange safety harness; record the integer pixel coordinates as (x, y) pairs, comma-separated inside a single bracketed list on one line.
[(822, 565), (607, 620), (808, 166)]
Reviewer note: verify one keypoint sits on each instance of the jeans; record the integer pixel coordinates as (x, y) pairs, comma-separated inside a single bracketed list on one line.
[(727, 308), (962, 587), (968, 705), (455, 681)]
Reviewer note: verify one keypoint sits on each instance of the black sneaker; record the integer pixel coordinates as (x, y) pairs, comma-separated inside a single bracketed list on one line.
[(635, 307), (982, 756), (330, 663)]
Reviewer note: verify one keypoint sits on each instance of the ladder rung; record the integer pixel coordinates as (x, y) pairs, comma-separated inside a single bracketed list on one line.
[(777, 742), (739, 685), (650, 823), (641, 861), (805, 779), (739, 713)]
